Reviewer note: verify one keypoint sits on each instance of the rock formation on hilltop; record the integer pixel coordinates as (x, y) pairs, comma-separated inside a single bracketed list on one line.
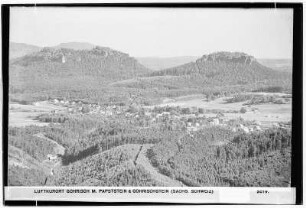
[(75, 46), (230, 57)]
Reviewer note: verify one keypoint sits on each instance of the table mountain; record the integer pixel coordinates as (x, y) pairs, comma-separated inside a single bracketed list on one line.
[(227, 67)]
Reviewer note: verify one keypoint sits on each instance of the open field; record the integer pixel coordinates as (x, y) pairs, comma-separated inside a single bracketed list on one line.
[(267, 113), (24, 115)]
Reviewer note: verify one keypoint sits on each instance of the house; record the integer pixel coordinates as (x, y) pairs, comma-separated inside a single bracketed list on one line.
[(258, 123), (191, 129), (51, 157), (275, 125), (158, 115), (194, 109), (215, 121), (257, 128), (54, 111), (63, 59), (246, 129), (147, 113)]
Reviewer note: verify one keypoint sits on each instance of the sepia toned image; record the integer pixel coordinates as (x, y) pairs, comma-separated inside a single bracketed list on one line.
[(150, 97)]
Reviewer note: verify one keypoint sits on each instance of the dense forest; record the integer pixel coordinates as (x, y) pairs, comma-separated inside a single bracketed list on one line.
[(100, 152), (261, 159), (109, 168)]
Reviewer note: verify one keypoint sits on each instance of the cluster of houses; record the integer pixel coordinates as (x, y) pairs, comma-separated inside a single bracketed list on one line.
[(217, 121), (90, 108), (194, 122), (175, 118)]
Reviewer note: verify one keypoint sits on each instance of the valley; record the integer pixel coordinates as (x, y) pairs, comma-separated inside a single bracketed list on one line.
[(97, 117)]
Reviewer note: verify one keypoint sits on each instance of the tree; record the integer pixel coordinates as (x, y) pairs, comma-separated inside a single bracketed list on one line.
[(186, 111), (243, 110), (201, 110)]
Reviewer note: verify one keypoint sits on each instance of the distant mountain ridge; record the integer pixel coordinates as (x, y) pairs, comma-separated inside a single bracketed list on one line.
[(104, 74), (21, 49), (155, 63), (277, 64)]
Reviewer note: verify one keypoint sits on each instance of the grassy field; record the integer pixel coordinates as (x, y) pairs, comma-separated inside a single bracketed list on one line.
[(25, 115), (267, 113)]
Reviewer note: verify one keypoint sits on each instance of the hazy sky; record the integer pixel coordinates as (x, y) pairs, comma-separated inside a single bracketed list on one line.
[(263, 33)]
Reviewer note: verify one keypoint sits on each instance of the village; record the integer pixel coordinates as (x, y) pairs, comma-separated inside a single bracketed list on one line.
[(190, 119)]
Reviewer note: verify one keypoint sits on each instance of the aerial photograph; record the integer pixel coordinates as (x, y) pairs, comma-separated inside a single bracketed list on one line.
[(150, 97)]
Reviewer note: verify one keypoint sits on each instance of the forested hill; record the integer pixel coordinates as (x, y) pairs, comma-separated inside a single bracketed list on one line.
[(233, 67), (68, 73), (101, 62)]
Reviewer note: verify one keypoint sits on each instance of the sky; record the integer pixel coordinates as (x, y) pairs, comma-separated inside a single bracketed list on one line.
[(159, 32)]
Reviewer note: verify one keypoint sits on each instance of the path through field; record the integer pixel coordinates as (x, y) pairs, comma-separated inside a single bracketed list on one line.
[(143, 160)]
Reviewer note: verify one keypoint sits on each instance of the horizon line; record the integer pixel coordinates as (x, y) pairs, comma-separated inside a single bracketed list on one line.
[(150, 56)]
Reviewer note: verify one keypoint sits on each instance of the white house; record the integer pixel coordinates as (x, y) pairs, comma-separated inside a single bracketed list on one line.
[(215, 121), (257, 128), (63, 59), (51, 157), (246, 130)]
